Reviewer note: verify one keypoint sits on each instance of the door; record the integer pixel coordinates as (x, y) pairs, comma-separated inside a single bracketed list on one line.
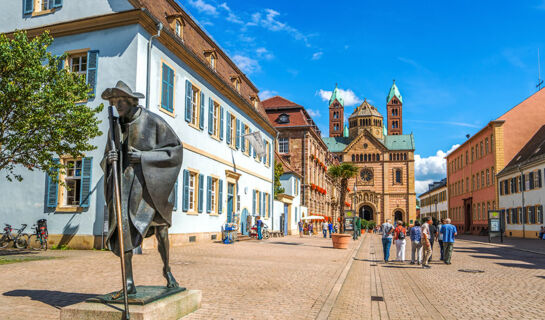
[(286, 220), (244, 222), (230, 200), (468, 215)]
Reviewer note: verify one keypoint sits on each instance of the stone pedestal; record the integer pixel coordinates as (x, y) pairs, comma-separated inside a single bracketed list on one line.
[(174, 306)]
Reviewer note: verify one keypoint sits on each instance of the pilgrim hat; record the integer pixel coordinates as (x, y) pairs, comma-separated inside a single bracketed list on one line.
[(121, 89)]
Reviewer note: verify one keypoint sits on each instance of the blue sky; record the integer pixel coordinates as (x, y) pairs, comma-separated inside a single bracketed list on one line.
[(458, 64)]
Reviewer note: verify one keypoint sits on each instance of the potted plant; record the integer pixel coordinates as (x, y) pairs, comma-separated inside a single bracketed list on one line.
[(364, 225), (341, 173)]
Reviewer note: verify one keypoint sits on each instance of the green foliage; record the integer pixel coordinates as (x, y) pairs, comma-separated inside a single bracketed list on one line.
[(40, 117), (341, 173), (278, 171), (371, 224), (59, 247)]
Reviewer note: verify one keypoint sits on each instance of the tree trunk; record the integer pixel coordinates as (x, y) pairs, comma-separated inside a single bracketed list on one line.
[(344, 183)]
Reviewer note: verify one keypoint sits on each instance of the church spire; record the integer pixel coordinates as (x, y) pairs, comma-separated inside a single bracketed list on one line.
[(336, 96), (394, 92)]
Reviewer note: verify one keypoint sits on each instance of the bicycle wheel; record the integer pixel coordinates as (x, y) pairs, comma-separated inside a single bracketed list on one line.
[(4, 242), (33, 242), (44, 244), (21, 241)]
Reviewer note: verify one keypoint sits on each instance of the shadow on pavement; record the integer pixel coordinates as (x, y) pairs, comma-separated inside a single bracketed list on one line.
[(13, 252), (55, 299), (511, 256), (400, 267)]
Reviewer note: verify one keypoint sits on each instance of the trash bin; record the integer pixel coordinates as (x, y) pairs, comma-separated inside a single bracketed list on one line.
[(228, 234)]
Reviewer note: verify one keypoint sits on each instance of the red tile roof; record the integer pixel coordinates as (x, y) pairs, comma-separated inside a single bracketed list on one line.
[(279, 102)]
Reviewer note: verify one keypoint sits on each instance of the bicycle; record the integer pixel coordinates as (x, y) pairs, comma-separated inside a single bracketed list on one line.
[(38, 240), (19, 240)]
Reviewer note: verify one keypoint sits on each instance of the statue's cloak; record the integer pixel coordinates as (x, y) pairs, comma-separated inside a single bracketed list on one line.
[(147, 188)]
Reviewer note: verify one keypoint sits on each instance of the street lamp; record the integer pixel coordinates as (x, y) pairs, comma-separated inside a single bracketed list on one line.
[(522, 186), (436, 213)]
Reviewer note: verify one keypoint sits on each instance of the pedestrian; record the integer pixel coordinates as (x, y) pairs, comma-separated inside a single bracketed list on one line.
[(440, 239), (259, 225), (310, 228), (434, 233), (357, 228), (330, 228), (301, 226), (324, 228), (400, 234), (387, 230), (542, 234), (449, 233), (416, 243), (426, 245)]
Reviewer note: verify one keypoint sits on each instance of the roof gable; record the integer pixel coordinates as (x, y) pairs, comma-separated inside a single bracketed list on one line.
[(533, 149), (367, 136), (279, 102)]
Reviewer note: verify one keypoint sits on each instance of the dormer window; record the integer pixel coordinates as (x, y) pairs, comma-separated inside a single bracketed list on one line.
[(178, 28), (177, 24), (255, 101), (283, 118), (212, 58), (235, 80)]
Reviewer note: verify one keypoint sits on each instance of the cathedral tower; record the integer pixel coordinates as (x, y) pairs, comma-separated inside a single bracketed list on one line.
[(336, 114), (394, 110)]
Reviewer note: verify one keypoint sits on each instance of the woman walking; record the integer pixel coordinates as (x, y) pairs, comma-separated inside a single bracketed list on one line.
[(416, 244), (400, 234)]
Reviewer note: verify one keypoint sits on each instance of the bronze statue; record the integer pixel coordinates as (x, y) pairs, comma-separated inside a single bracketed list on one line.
[(148, 155)]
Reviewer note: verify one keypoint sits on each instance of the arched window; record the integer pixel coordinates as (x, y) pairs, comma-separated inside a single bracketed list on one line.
[(378, 157), (373, 157), (353, 158), (365, 157), (404, 156), (357, 158), (398, 175)]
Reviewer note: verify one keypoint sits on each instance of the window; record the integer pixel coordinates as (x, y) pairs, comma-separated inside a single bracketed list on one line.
[(214, 120), (83, 62), (77, 185), (213, 61), (486, 145), (283, 145), (178, 28), (78, 63), (487, 177), (267, 153), (195, 106), (481, 152), (39, 7), (235, 80), (531, 215), (212, 202), (192, 193), (167, 90), (478, 181), (232, 130), (72, 180), (472, 154), (482, 179), (398, 176), (246, 142), (493, 175)]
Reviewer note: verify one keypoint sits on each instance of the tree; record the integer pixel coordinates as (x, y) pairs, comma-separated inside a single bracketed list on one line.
[(341, 173), (41, 114), (278, 171)]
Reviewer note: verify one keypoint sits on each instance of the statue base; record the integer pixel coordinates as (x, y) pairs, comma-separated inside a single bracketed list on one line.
[(149, 303)]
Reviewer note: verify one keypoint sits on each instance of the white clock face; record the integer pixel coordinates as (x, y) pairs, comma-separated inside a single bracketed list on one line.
[(366, 175)]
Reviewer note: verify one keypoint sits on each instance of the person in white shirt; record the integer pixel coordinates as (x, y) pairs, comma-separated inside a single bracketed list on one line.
[(324, 228), (440, 238), (426, 245)]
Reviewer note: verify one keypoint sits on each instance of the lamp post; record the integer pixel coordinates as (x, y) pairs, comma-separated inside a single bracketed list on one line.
[(522, 187), (436, 213)]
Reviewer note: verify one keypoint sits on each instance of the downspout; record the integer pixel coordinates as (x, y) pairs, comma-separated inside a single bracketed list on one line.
[(148, 70)]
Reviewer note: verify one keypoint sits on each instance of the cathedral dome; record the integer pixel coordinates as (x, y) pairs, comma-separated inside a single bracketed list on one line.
[(365, 109)]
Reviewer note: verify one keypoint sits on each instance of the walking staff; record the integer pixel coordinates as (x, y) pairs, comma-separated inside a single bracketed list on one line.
[(117, 208)]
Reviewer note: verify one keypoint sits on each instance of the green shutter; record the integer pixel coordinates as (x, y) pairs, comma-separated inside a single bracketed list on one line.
[(201, 192), (201, 118), (57, 3), (210, 116), (92, 67), (221, 123), (52, 189), (220, 197), (228, 126), (28, 7), (237, 138), (188, 97), (175, 196), (185, 200), (208, 194), (85, 187)]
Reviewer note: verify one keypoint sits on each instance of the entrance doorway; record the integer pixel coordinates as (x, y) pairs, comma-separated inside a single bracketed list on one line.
[(366, 212), (398, 216), (230, 202), (468, 214), (245, 222)]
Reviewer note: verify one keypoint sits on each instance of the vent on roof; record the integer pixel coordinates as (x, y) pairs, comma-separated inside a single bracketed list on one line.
[(283, 118)]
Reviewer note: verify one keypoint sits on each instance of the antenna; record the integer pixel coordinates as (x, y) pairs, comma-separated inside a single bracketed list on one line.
[(539, 81)]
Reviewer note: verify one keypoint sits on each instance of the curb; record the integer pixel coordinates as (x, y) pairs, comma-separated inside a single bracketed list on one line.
[(334, 293), (504, 246)]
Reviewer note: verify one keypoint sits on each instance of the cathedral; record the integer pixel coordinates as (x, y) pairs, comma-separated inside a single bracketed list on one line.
[(384, 187)]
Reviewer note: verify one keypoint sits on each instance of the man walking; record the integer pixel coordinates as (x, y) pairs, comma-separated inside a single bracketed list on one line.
[(259, 224), (324, 228), (357, 227), (440, 238), (449, 233), (301, 225), (387, 230), (426, 245), (416, 243), (330, 228), (433, 235)]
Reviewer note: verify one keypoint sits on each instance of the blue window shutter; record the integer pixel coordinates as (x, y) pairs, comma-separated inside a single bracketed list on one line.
[(201, 115), (164, 87), (261, 197), (268, 204), (57, 3), (188, 95), (264, 155), (269, 152), (175, 196), (60, 64), (228, 126), (185, 201), (210, 116), (170, 90), (237, 138), (220, 197), (250, 145), (221, 123), (201, 192), (242, 138), (208, 194), (253, 202), (52, 190), (28, 7), (539, 178), (85, 187), (92, 67)]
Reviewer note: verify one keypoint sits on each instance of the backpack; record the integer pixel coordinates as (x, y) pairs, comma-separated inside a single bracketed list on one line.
[(401, 235)]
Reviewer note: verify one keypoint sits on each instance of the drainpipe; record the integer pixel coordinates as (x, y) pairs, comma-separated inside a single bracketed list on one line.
[(148, 70), (523, 185)]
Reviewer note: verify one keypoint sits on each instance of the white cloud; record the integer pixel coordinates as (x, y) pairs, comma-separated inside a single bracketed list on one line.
[(246, 64), (317, 55), (430, 169), (313, 113), (204, 7), (421, 186), (268, 19), (231, 16), (263, 53), (266, 94), (349, 97)]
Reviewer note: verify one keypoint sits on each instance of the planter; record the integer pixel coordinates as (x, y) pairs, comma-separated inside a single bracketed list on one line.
[(340, 240)]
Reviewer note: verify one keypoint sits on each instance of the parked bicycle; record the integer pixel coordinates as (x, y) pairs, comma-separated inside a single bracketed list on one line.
[(38, 240), (19, 240)]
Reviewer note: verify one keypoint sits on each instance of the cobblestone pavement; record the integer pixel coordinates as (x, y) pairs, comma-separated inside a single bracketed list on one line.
[(531, 244), (286, 278), (511, 286)]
